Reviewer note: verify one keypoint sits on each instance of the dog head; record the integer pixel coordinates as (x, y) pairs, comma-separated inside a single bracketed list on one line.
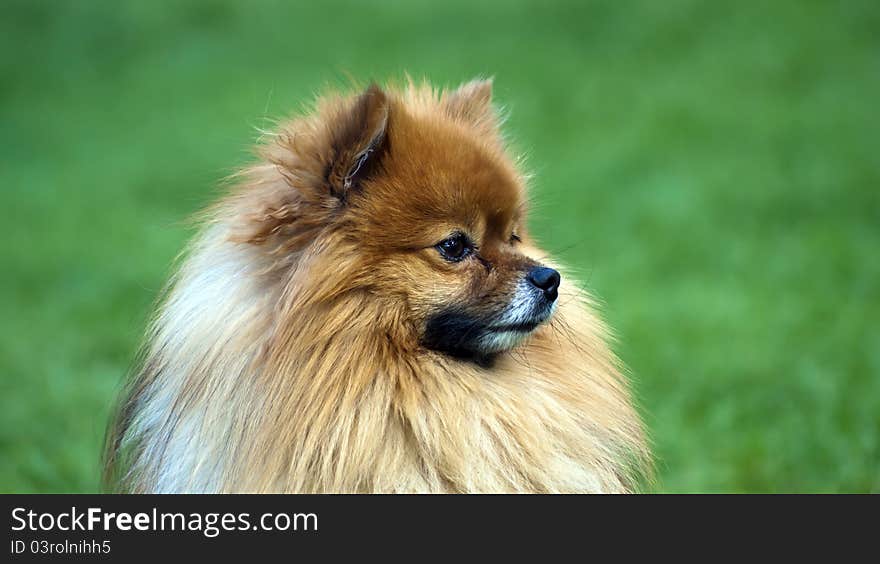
[(419, 194)]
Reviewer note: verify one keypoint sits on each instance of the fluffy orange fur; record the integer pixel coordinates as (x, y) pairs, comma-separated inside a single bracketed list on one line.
[(288, 354)]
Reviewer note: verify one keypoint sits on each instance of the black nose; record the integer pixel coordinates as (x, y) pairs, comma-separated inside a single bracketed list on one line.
[(546, 279)]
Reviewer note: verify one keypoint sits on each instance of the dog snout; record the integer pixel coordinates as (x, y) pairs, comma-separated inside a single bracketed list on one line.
[(545, 279)]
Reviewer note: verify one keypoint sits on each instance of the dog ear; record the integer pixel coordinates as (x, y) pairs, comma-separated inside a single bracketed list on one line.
[(358, 138), (472, 103)]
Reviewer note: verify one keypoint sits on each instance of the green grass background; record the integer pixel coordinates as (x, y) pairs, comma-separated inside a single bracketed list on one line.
[(711, 169)]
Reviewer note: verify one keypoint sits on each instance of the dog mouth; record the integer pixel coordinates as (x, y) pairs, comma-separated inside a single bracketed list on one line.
[(525, 324), (475, 341), (525, 327), (462, 335)]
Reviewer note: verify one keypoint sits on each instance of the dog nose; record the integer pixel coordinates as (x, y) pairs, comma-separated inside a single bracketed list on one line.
[(545, 279)]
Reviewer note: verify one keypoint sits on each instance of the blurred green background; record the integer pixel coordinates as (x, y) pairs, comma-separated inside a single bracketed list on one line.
[(711, 169)]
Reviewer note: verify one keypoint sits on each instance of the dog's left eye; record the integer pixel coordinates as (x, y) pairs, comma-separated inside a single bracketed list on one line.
[(455, 248), (514, 238)]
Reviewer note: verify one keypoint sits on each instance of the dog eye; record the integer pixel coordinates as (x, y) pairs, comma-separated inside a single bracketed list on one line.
[(455, 248), (514, 238)]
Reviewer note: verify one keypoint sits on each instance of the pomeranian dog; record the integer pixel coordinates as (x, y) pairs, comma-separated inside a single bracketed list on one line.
[(366, 312)]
